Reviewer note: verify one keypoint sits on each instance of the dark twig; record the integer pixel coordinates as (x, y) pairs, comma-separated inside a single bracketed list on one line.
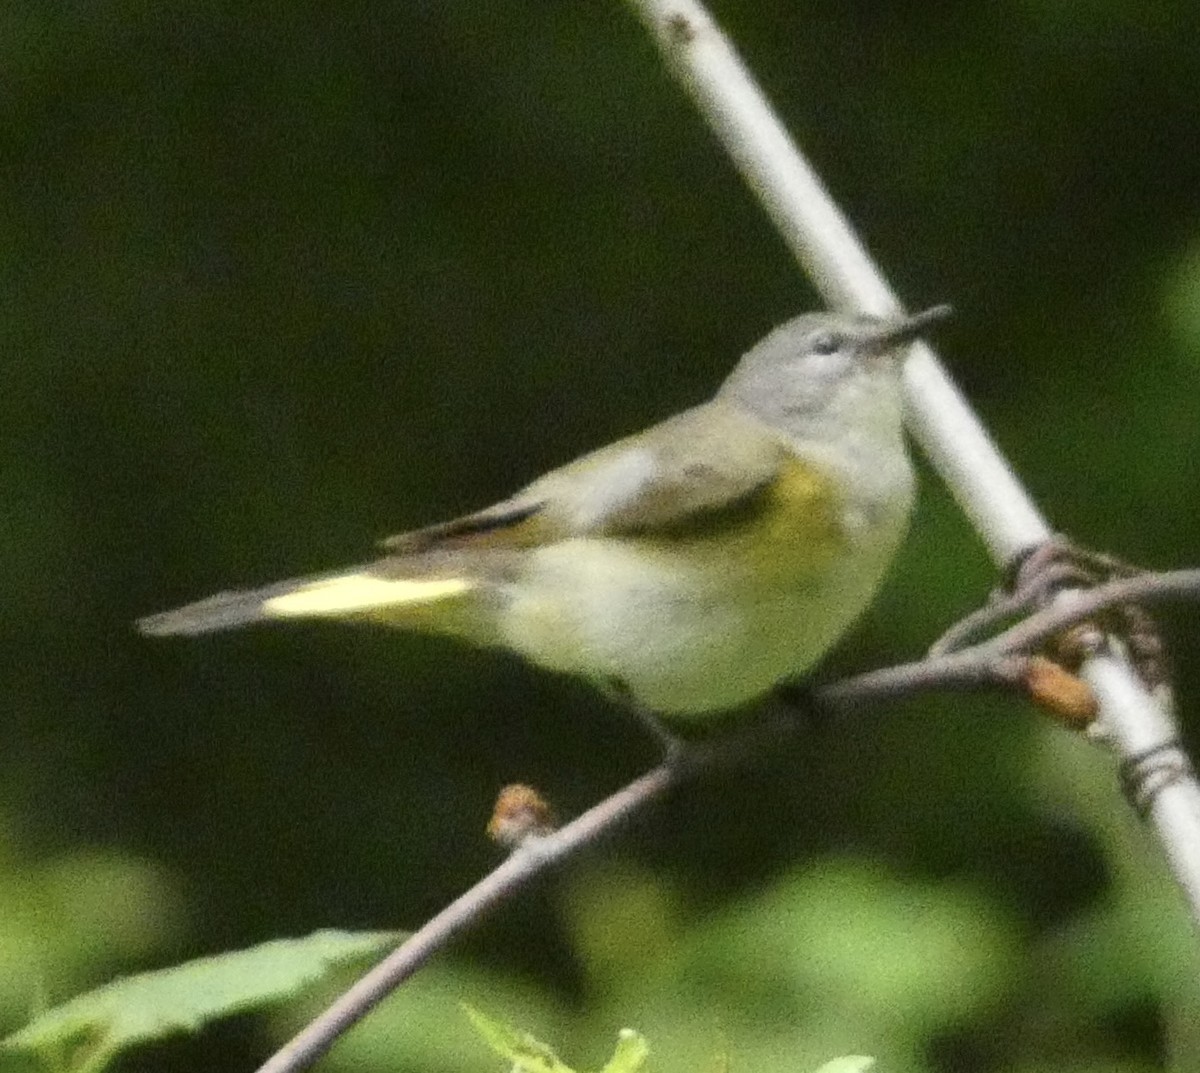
[(532, 857), (1000, 663), (1078, 606), (961, 671), (1001, 607)]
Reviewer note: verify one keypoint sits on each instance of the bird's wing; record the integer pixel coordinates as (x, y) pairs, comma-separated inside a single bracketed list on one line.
[(514, 523), (698, 469), (693, 475)]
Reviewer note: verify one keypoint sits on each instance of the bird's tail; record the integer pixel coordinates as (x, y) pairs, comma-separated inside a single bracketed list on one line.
[(367, 592)]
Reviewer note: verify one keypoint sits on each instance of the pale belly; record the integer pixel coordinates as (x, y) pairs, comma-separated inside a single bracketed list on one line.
[(684, 641)]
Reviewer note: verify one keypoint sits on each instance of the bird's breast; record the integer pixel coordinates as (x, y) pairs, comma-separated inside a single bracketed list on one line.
[(702, 624)]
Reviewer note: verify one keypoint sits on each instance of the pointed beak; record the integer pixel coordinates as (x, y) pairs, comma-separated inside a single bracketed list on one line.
[(893, 333)]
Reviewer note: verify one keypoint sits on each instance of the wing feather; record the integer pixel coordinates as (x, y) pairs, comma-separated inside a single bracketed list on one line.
[(690, 470)]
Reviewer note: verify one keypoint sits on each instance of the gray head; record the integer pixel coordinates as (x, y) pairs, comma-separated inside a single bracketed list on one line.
[(826, 365)]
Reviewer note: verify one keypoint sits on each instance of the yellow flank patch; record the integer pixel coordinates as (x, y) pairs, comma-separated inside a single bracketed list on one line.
[(804, 499), (791, 526), (354, 593)]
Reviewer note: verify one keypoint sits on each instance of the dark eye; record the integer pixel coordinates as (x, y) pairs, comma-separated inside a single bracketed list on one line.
[(826, 343)]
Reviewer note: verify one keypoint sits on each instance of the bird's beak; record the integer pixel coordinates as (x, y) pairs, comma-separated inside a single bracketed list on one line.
[(905, 329)]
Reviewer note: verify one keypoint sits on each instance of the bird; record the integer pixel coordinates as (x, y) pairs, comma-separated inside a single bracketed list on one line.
[(690, 568)]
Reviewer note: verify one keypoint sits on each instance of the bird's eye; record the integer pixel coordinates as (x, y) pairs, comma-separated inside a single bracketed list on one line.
[(826, 343)]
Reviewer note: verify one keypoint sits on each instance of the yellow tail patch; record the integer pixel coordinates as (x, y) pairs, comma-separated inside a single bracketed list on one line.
[(355, 593)]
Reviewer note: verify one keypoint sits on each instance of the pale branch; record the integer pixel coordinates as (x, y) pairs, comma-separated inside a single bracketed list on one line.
[(1135, 724), (822, 240), (997, 664)]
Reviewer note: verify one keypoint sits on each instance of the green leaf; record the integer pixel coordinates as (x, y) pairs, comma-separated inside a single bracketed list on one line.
[(630, 1055), (530, 1055), (850, 1063), (527, 1054), (85, 1034)]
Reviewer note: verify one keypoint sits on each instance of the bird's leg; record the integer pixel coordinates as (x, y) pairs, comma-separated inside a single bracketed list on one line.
[(742, 741)]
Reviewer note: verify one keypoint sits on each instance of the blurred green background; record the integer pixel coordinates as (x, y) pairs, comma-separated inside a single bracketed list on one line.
[(279, 279)]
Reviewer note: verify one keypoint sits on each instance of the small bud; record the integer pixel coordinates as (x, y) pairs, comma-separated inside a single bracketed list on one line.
[(1061, 693), (520, 813)]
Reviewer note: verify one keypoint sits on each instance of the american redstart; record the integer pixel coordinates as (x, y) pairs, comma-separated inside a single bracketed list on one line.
[(692, 566)]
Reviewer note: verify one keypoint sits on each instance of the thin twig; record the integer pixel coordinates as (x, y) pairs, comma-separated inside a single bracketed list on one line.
[(995, 664), (959, 671), (507, 879), (965, 671), (1074, 607), (983, 665), (978, 476), (982, 620), (1080, 605)]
